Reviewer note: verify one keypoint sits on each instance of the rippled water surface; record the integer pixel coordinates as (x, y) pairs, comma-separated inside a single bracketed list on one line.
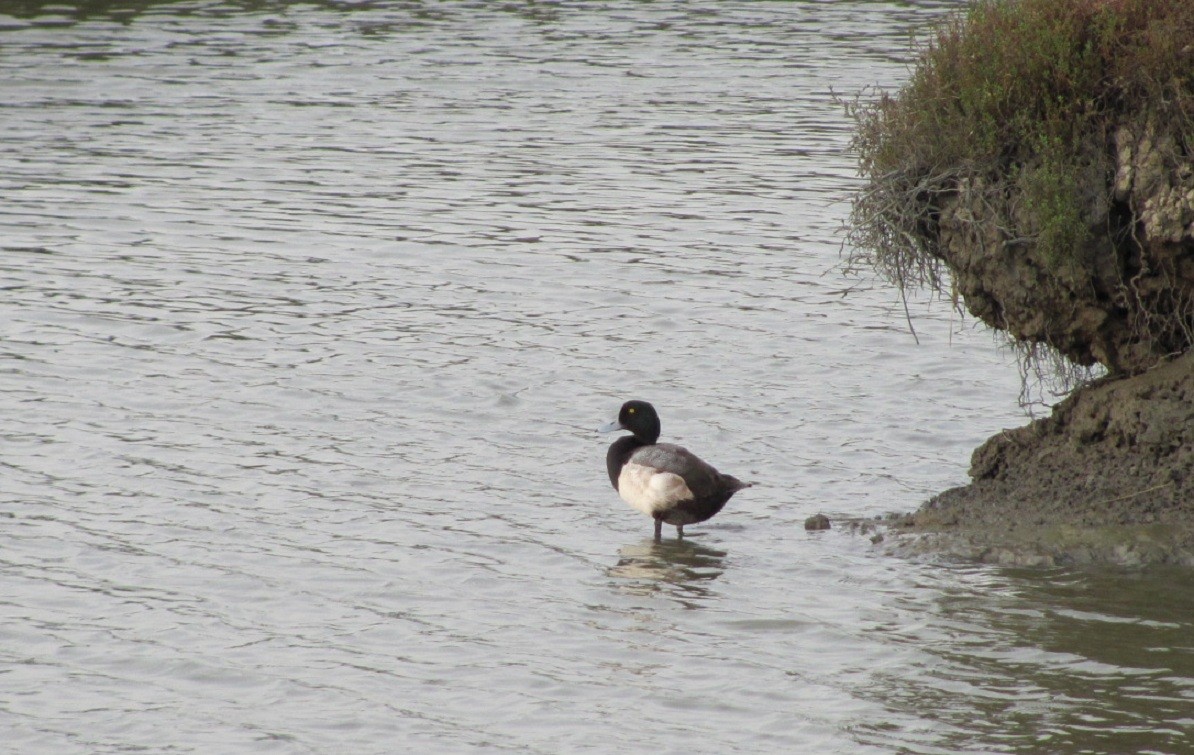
[(309, 312)]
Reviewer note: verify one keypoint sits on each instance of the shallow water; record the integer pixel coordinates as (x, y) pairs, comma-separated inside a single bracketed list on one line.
[(310, 312)]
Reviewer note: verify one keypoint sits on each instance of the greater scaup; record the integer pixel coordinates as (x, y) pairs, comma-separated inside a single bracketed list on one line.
[(666, 482)]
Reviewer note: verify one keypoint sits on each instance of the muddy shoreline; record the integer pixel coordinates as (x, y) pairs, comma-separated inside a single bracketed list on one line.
[(1107, 478)]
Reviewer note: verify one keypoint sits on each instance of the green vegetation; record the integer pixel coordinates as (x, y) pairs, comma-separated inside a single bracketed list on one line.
[(1009, 123)]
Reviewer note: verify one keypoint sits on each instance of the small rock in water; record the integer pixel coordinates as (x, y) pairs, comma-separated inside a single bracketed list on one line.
[(817, 522)]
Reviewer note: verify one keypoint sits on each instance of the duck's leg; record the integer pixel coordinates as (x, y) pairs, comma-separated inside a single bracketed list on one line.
[(658, 530), (679, 531)]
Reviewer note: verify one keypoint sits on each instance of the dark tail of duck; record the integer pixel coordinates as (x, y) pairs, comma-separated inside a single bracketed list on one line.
[(735, 484)]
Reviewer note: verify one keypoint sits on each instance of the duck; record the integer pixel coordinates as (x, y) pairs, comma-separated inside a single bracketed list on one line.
[(666, 482)]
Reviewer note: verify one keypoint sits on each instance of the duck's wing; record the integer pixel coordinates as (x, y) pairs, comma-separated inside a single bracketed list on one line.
[(700, 478)]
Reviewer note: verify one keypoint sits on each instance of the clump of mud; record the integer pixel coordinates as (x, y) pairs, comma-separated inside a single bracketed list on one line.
[(1108, 477)]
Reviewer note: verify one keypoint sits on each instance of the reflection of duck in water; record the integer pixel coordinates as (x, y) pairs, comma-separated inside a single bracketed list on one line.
[(679, 562), (664, 481)]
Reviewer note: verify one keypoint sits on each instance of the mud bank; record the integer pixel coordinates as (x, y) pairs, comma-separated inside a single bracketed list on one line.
[(1107, 478)]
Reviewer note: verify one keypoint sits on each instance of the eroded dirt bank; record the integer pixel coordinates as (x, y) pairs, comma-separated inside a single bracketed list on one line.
[(1108, 477), (1043, 178)]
